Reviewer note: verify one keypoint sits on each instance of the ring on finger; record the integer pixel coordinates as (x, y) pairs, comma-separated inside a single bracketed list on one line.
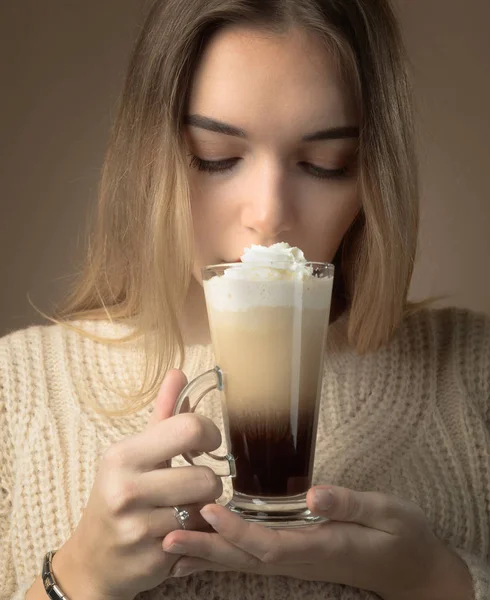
[(181, 516)]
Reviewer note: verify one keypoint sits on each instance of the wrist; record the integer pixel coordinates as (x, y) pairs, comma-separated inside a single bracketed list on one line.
[(73, 577), (70, 577)]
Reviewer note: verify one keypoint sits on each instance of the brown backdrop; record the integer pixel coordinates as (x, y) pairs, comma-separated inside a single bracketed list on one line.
[(61, 68)]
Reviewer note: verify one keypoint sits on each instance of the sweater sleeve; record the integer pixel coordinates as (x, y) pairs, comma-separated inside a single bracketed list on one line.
[(477, 375), (9, 586), (7, 575), (474, 336)]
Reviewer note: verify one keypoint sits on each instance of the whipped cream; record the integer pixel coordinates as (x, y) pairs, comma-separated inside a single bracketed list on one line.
[(277, 276), (281, 252), (279, 261)]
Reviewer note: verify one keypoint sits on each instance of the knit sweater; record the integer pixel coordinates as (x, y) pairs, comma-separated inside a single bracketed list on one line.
[(411, 419)]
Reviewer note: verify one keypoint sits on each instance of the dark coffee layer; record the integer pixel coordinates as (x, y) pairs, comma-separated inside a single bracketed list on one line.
[(273, 458)]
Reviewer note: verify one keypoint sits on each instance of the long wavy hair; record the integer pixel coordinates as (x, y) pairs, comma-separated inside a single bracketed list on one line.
[(140, 255)]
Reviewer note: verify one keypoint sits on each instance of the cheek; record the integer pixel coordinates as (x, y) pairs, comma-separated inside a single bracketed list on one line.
[(328, 222), (212, 212)]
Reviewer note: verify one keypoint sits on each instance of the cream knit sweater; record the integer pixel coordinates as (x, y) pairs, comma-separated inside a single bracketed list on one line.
[(412, 419)]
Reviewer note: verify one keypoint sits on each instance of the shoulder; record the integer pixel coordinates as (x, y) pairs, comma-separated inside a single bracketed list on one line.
[(453, 340), (459, 328), (21, 354), (22, 386), (42, 345), (32, 366), (31, 354), (58, 366)]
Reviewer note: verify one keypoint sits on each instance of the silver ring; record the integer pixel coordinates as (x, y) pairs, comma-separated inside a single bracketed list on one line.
[(181, 515)]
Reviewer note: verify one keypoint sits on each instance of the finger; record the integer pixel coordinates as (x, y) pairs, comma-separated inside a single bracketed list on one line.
[(328, 544), (163, 521), (254, 539), (172, 385), (384, 512), (270, 546), (185, 566), (168, 487), (211, 547), (166, 439)]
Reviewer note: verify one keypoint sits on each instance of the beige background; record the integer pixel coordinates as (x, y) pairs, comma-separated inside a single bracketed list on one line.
[(61, 68)]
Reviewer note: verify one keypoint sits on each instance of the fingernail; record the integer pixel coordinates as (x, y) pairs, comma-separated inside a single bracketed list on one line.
[(182, 572), (209, 517), (324, 499), (175, 549)]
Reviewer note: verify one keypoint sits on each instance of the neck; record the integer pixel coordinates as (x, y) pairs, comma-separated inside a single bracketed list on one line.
[(194, 322)]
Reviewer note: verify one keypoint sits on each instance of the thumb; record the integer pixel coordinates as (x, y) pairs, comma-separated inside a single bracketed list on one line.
[(172, 385), (384, 512), (320, 499)]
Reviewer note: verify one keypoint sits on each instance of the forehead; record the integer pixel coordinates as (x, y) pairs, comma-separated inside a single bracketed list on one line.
[(254, 78)]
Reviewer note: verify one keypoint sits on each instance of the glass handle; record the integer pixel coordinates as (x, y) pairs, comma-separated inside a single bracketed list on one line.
[(194, 392)]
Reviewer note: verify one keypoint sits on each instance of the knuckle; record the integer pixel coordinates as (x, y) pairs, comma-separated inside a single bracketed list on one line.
[(351, 508), (193, 430), (116, 455), (122, 496), (132, 530)]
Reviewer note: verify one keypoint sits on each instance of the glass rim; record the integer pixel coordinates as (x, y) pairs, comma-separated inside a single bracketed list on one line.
[(271, 264)]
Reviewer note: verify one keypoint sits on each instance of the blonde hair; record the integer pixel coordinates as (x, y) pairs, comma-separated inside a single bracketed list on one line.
[(140, 257)]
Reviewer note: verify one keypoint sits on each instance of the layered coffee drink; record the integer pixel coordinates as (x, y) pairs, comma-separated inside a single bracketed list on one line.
[(268, 317)]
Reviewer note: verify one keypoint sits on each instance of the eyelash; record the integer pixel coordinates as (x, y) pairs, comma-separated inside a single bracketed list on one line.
[(226, 165)]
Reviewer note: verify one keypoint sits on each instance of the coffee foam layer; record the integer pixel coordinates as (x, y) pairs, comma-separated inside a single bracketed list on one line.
[(230, 295)]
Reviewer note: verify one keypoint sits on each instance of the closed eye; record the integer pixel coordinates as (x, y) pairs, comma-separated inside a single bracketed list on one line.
[(213, 166), (321, 173), (226, 165)]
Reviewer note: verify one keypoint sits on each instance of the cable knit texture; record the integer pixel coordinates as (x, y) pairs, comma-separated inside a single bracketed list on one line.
[(411, 419)]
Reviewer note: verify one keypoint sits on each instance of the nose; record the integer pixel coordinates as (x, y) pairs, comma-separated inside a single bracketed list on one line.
[(267, 210)]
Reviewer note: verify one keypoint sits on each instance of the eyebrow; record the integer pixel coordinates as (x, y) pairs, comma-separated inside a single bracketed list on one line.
[(332, 133)]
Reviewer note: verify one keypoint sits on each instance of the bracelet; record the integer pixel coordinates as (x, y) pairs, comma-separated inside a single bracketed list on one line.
[(50, 585)]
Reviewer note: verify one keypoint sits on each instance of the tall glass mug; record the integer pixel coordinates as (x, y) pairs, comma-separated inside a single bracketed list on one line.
[(268, 330)]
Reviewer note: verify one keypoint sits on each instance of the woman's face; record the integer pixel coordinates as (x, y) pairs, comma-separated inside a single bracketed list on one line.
[(272, 133)]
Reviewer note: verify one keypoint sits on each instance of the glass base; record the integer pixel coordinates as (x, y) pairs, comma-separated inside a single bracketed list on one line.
[(279, 512)]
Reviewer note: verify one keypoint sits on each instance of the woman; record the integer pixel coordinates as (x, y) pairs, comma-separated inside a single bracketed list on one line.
[(250, 122)]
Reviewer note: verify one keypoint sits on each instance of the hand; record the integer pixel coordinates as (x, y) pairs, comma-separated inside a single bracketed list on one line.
[(373, 541), (116, 550)]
